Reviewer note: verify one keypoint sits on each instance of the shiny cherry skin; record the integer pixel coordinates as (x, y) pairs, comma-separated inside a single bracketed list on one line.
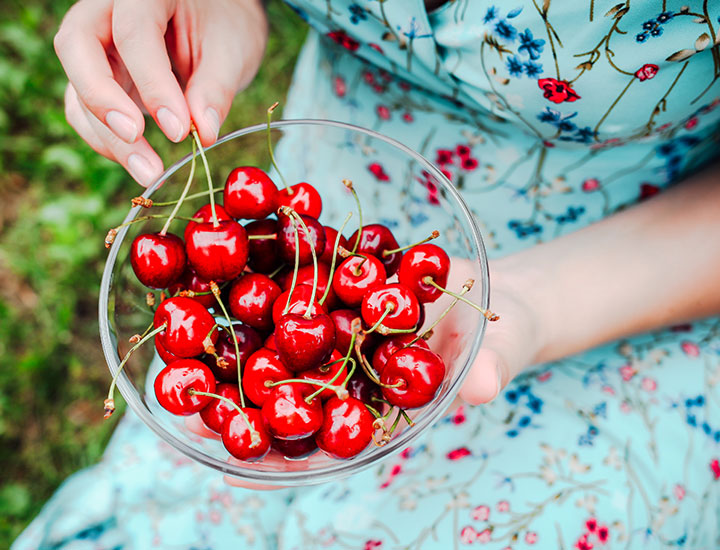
[(324, 374), (419, 372), (249, 193), (422, 261), (306, 275), (270, 342), (164, 354), (262, 367), (296, 449), (251, 300), (288, 416), (390, 345), (249, 342), (305, 199), (205, 214), (286, 239), (192, 281), (188, 324), (262, 253), (347, 428), (406, 312), (173, 382), (298, 303), (157, 260), (304, 343), (361, 387), (375, 239), (343, 319), (238, 440), (330, 237), (217, 253), (216, 411), (355, 277)]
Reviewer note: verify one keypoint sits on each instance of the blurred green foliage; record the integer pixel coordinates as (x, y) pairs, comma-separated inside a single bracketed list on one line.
[(57, 200)]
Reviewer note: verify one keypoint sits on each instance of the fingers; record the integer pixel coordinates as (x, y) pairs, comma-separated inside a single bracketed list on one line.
[(485, 379)]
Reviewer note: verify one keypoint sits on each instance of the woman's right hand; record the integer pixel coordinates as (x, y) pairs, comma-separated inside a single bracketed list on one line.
[(177, 60)]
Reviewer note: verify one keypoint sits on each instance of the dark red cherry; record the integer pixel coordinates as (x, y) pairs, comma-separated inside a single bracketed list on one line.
[(361, 387), (216, 411), (270, 342), (347, 428), (298, 303), (173, 382), (217, 253), (306, 275), (405, 312), (238, 438), (304, 343), (305, 199), (288, 416), (261, 367), (157, 260), (330, 237), (262, 253), (205, 214), (390, 345), (419, 373), (192, 281), (296, 449), (419, 262), (249, 193), (188, 325), (325, 373), (343, 319), (355, 277), (376, 239), (251, 300), (286, 239), (248, 343)]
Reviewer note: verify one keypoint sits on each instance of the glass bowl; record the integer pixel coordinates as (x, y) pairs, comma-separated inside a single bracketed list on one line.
[(397, 187)]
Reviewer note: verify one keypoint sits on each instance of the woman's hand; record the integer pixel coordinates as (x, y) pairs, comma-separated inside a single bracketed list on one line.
[(178, 60)]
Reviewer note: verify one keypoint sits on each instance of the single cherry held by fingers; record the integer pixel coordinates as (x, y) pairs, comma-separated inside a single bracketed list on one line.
[(157, 260), (174, 381)]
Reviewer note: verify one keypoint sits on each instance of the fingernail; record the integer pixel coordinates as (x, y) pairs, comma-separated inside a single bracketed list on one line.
[(141, 169), (213, 119), (169, 124), (122, 126)]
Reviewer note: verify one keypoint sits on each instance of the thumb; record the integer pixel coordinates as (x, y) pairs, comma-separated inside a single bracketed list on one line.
[(488, 375)]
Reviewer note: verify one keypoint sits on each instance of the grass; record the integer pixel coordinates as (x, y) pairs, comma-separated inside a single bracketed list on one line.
[(57, 200)]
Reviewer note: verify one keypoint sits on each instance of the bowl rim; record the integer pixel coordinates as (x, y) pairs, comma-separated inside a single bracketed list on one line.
[(339, 468)]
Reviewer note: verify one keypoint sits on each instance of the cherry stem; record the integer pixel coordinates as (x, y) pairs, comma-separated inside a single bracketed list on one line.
[(434, 235), (209, 177), (372, 375), (489, 315), (373, 411), (189, 197), (270, 147), (298, 217), (340, 390), (389, 308), (262, 237), (465, 289), (345, 360), (254, 436), (333, 262), (324, 385), (297, 266), (110, 402), (351, 188), (150, 326), (184, 191), (407, 418), (216, 292), (277, 270)]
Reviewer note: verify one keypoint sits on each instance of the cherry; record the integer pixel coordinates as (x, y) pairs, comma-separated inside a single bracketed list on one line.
[(355, 277), (286, 239), (298, 303), (392, 344), (304, 199), (376, 239), (243, 442), (205, 214), (416, 372), (326, 373), (216, 411), (422, 261), (270, 342), (392, 304), (249, 193), (343, 319), (305, 276), (361, 387), (188, 325), (164, 354), (217, 253), (248, 343), (288, 416), (330, 238), (173, 382), (191, 281), (262, 367), (295, 449), (304, 342), (157, 260), (347, 428), (262, 253), (251, 300)]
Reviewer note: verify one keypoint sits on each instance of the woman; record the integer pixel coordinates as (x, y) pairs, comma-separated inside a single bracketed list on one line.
[(559, 121)]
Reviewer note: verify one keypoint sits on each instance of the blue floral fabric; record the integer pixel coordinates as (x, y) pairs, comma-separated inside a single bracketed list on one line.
[(548, 116)]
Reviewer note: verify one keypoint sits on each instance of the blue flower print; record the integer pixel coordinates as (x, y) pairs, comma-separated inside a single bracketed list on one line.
[(649, 25), (490, 14), (530, 45), (505, 30), (665, 16), (532, 69), (653, 27), (357, 13), (641, 37), (570, 215), (515, 66), (556, 118), (656, 32), (524, 229)]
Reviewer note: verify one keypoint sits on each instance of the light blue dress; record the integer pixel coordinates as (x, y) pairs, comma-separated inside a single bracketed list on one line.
[(548, 115)]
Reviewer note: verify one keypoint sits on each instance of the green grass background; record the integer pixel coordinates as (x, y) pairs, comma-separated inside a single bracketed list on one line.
[(57, 200)]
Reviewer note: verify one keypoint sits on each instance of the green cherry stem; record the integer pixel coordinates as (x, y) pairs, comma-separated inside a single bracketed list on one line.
[(270, 147), (184, 191), (434, 235), (333, 262), (254, 436), (297, 264), (389, 308), (345, 360), (465, 289), (298, 217), (216, 292), (211, 191), (489, 315), (110, 237), (351, 188)]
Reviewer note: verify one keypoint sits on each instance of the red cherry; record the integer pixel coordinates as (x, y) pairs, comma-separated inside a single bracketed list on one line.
[(306, 275), (298, 303), (288, 416), (304, 343), (248, 343), (295, 449), (205, 214), (343, 319), (355, 277), (375, 239), (216, 411), (361, 387), (390, 345), (330, 237), (419, 373), (188, 324), (324, 374), (217, 253), (421, 261), (270, 342), (192, 281), (405, 313), (173, 382), (238, 439), (286, 239), (164, 354), (347, 428), (262, 366), (305, 199), (262, 253), (251, 300), (157, 260), (249, 193)]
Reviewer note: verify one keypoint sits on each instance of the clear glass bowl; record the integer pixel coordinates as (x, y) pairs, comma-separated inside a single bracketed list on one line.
[(396, 185)]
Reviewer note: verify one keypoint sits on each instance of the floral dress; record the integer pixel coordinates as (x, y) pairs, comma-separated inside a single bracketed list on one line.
[(548, 115)]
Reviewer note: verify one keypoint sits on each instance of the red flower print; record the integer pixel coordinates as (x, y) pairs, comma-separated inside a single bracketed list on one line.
[(583, 543), (469, 164), (433, 198), (394, 472), (627, 372), (625, 407), (372, 545), (447, 173), (690, 349), (406, 453), (383, 112), (503, 506), (557, 91), (468, 535), (531, 537), (603, 534), (648, 190), (679, 492), (444, 156), (368, 77), (649, 384), (375, 47), (340, 86), (481, 513), (545, 376), (715, 467), (590, 185), (646, 72), (591, 525), (407, 117), (484, 535), (462, 150), (378, 171), (457, 454), (691, 123), (431, 187), (342, 38), (405, 86), (459, 416), (378, 88), (386, 76)]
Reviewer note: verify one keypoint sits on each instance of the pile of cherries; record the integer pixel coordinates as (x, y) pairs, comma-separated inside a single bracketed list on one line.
[(281, 333)]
